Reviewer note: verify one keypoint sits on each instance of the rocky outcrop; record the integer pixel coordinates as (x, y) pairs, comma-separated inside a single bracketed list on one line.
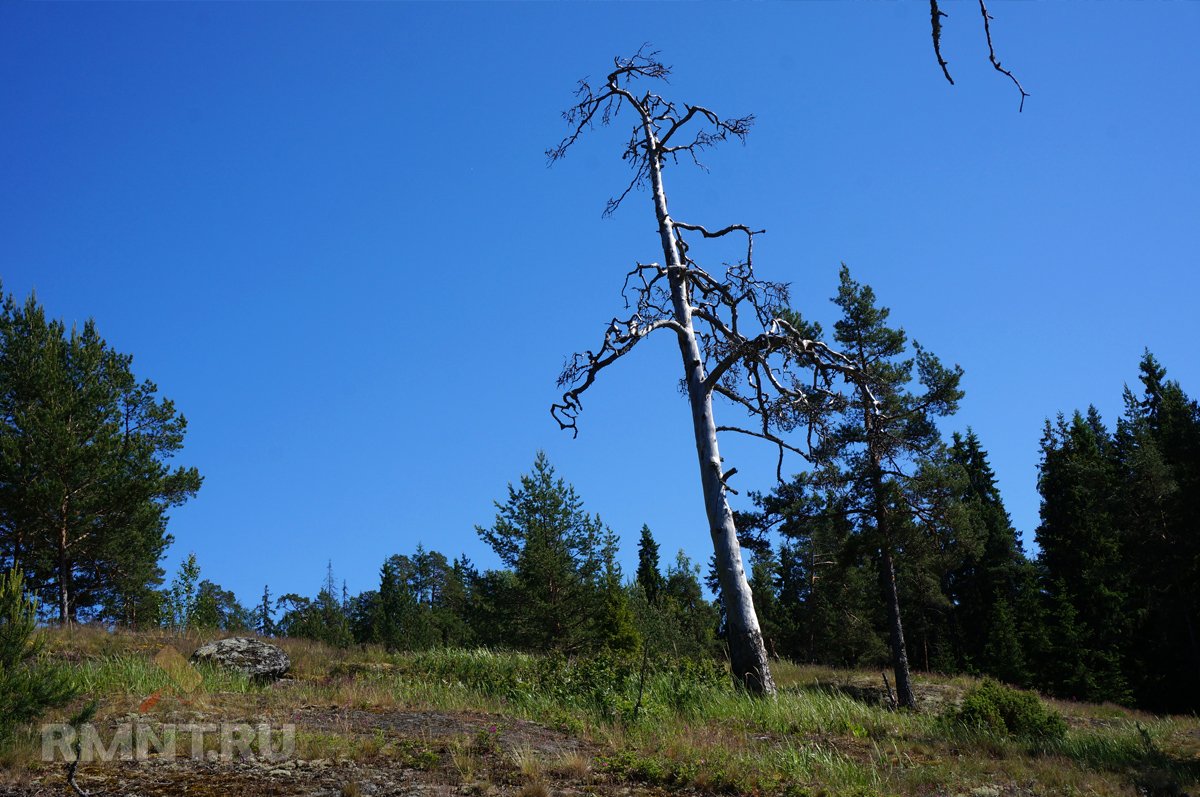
[(260, 660)]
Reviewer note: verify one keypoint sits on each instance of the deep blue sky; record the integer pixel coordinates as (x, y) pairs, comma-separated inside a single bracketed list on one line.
[(328, 232)]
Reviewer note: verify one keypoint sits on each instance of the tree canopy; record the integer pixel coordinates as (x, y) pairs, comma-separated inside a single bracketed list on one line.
[(85, 474)]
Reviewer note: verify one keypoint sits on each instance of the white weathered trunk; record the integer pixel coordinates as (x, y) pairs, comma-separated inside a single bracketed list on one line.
[(747, 653)]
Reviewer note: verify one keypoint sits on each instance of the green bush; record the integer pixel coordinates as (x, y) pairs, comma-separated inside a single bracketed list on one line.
[(1000, 709), (28, 685)]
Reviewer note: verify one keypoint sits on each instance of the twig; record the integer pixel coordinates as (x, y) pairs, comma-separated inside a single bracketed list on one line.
[(891, 695), (987, 29), (935, 21)]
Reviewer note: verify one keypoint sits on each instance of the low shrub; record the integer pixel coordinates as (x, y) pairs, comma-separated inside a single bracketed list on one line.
[(999, 709)]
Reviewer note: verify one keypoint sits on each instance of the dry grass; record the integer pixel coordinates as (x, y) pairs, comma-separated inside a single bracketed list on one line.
[(528, 762), (824, 732), (574, 765)]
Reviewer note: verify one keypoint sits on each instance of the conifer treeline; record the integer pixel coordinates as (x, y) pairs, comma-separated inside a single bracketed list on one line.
[(559, 589), (1106, 610)]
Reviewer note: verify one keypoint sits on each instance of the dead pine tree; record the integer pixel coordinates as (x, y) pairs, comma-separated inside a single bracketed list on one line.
[(735, 338)]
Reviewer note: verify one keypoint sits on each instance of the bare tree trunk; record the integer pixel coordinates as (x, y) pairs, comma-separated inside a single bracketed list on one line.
[(747, 654), (904, 692), (64, 574)]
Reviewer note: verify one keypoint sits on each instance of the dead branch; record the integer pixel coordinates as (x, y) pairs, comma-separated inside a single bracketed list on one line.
[(987, 29), (935, 23), (745, 350)]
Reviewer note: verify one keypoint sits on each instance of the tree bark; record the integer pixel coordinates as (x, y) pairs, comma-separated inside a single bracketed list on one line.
[(64, 573), (904, 692), (747, 653)]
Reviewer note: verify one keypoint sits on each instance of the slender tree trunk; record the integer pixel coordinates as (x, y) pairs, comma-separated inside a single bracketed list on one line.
[(64, 573), (747, 654), (904, 692), (887, 566)]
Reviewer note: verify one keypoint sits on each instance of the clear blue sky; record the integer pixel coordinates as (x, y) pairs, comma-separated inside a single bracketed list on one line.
[(328, 232)]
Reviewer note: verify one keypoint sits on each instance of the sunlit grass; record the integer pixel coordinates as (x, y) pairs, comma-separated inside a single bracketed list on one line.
[(822, 734)]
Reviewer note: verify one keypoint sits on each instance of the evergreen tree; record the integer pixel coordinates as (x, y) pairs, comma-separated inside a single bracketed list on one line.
[(988, 584), (84, 478), (362, 614), (1157, 449), (879, 461), (323, 619), (615, 630), (1081, 552), (454, 611), (764, 584), (648, 573), (827, 582), (264, 624), (218, 608), (403, 622), (693, 620), (555, 551), (180, 600), (28, 686), (333, 622)]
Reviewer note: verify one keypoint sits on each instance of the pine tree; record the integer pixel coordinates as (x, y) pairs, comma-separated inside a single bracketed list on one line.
[(84, 480), (28, 686), (218, 608), (879, 459)]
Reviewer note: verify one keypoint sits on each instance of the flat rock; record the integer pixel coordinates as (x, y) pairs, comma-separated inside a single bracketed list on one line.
[(260, 660)]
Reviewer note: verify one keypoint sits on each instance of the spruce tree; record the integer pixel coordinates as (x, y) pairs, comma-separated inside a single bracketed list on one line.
[(1087, 580), (692, 620), (264, 624), (649, 576), (555, 551), (1157, 449), (396, 612), (987, 585), (764, 583), (828, 587)]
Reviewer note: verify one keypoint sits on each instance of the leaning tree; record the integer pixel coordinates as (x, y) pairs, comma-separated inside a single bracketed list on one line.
[(736, 338)]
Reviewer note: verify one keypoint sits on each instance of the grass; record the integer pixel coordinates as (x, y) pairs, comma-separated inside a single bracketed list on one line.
[(824, 735)]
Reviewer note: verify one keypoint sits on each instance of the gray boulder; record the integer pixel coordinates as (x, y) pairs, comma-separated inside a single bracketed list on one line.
[(260, 660)]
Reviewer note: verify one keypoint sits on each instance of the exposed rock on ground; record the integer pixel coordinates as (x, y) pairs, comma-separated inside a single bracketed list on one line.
[(260, 660)]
